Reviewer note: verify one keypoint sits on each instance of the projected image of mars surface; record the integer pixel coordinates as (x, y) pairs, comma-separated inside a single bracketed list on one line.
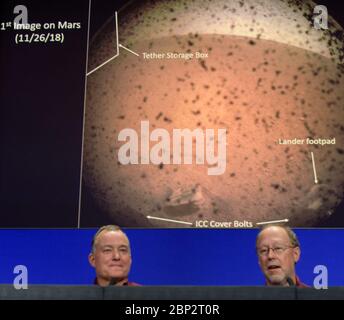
[(260, 77)]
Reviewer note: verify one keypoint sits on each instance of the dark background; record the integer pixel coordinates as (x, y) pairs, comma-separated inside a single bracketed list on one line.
[(41, 117), (41, 94)]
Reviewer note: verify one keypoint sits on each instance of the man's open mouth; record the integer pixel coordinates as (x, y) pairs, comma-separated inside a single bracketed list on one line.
[(274, 267)]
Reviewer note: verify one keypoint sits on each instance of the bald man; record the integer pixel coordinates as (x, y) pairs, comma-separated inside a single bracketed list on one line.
[(111, 257)]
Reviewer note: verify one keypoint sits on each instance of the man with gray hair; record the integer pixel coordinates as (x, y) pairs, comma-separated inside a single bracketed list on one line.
[(111, 257), (278, 251)]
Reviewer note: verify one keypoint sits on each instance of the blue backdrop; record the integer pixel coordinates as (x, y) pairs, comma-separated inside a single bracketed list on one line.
[(165, 256)]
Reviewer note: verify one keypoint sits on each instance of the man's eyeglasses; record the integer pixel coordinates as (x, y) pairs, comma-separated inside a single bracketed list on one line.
[(278, 250)]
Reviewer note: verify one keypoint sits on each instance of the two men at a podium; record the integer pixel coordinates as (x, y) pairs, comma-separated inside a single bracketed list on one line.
[(277, 247)]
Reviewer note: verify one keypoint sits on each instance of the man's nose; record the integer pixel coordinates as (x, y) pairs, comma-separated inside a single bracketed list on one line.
[(271, 253), (116, 255)]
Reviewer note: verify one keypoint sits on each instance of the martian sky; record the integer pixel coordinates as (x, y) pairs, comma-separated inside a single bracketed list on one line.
[(258, 70)]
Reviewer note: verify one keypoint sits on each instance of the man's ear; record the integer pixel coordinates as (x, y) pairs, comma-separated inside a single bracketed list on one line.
[(296, 254), (259, 261), (91, 260)]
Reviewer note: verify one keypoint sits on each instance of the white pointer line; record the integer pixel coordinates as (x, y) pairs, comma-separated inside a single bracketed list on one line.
[(117, 49), (136, 54), (104, 63), (169, 220), (117, 40), (272, 221), (83, 118), (314, 170)]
